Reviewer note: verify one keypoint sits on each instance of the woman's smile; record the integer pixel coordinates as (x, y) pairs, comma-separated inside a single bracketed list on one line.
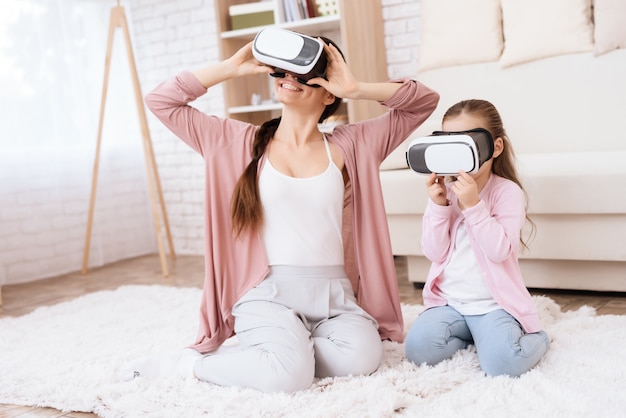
[(288, 85)]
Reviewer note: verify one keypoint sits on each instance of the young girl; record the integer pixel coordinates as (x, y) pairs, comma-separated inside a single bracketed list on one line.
[(474, 292), (298, 257)]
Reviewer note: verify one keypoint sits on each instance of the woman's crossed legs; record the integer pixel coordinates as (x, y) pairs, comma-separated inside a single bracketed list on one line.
[(277, 352)]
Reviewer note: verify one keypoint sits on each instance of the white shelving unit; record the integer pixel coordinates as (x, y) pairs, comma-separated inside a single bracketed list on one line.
[(315, 24)]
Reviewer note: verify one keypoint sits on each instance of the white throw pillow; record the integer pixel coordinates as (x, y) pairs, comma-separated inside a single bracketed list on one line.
[(535, 29), (610, 25), (457, 32)]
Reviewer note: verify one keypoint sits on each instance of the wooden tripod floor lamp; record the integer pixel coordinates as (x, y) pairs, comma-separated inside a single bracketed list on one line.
[(118, 20)]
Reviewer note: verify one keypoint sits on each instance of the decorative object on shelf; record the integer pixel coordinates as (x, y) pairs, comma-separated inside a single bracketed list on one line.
[(251, 14), (255, 100), (327, 7)]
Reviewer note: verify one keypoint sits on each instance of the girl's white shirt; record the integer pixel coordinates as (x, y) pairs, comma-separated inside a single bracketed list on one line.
[(462, 283)]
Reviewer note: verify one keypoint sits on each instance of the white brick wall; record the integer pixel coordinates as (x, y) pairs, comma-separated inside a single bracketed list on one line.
[(43, 222), (39, 240), (401, 23)]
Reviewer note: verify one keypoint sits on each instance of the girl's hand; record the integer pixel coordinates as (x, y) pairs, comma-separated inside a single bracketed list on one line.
[(436, 189), (341, 81), (466, 190)]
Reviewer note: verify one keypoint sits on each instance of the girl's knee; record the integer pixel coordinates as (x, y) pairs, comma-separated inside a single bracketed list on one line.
[(436, 335), (420, 354), (414, 345), (421, 347), (517, 359)]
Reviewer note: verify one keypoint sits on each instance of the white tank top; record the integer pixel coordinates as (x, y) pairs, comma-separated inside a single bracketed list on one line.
[(302, 216)]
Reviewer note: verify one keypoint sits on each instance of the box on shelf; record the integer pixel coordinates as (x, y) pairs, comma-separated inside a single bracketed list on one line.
[(327, 7), (251, 14)]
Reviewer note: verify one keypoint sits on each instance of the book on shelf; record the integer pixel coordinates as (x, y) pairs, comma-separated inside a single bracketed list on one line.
[(299, 9)]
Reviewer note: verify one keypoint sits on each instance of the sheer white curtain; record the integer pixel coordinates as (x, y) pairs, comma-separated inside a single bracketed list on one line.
[(52, 57)]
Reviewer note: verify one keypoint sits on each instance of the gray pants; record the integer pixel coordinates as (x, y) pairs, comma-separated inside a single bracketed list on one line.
[(299, 323)]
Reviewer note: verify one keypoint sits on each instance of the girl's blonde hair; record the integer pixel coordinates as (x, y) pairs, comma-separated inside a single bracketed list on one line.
[(504, 164)]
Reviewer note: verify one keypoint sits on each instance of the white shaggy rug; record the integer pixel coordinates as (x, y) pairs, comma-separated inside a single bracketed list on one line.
[(65, 356)]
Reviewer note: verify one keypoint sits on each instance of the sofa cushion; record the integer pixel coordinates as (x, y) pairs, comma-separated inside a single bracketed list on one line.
[(455, 32), (535, 29), (574, 182), (403, 191), (609, 27)]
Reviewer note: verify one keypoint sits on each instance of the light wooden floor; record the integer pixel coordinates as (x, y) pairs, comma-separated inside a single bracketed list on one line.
[(188, 271)]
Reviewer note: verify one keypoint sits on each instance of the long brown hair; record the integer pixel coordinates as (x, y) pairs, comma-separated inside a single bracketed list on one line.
[(504, 164), (245, 206)]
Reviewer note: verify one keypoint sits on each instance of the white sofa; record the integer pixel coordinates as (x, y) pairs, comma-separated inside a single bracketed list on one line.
[(565, 118)]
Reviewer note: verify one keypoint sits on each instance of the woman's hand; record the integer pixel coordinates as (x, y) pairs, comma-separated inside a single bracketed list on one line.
[(437, 189), (244, 62), (466, 190), (239, 64), (341, 81)]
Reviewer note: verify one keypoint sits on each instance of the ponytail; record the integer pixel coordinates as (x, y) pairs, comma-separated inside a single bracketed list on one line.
[(245, 206)]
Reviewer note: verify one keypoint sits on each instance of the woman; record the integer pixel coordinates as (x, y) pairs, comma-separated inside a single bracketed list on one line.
[(298, 257)]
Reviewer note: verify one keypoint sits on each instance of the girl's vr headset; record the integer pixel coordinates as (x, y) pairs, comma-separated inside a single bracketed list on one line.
[(447, 153), (290, 52)]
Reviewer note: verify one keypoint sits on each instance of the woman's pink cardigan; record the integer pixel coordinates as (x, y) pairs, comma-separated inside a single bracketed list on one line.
[(233, 266)]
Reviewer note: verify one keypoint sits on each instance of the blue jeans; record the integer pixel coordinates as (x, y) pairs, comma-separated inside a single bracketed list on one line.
[(502, 346)]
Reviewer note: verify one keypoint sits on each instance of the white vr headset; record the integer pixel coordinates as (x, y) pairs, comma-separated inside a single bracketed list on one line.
[(447, 153), (290, 52)]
